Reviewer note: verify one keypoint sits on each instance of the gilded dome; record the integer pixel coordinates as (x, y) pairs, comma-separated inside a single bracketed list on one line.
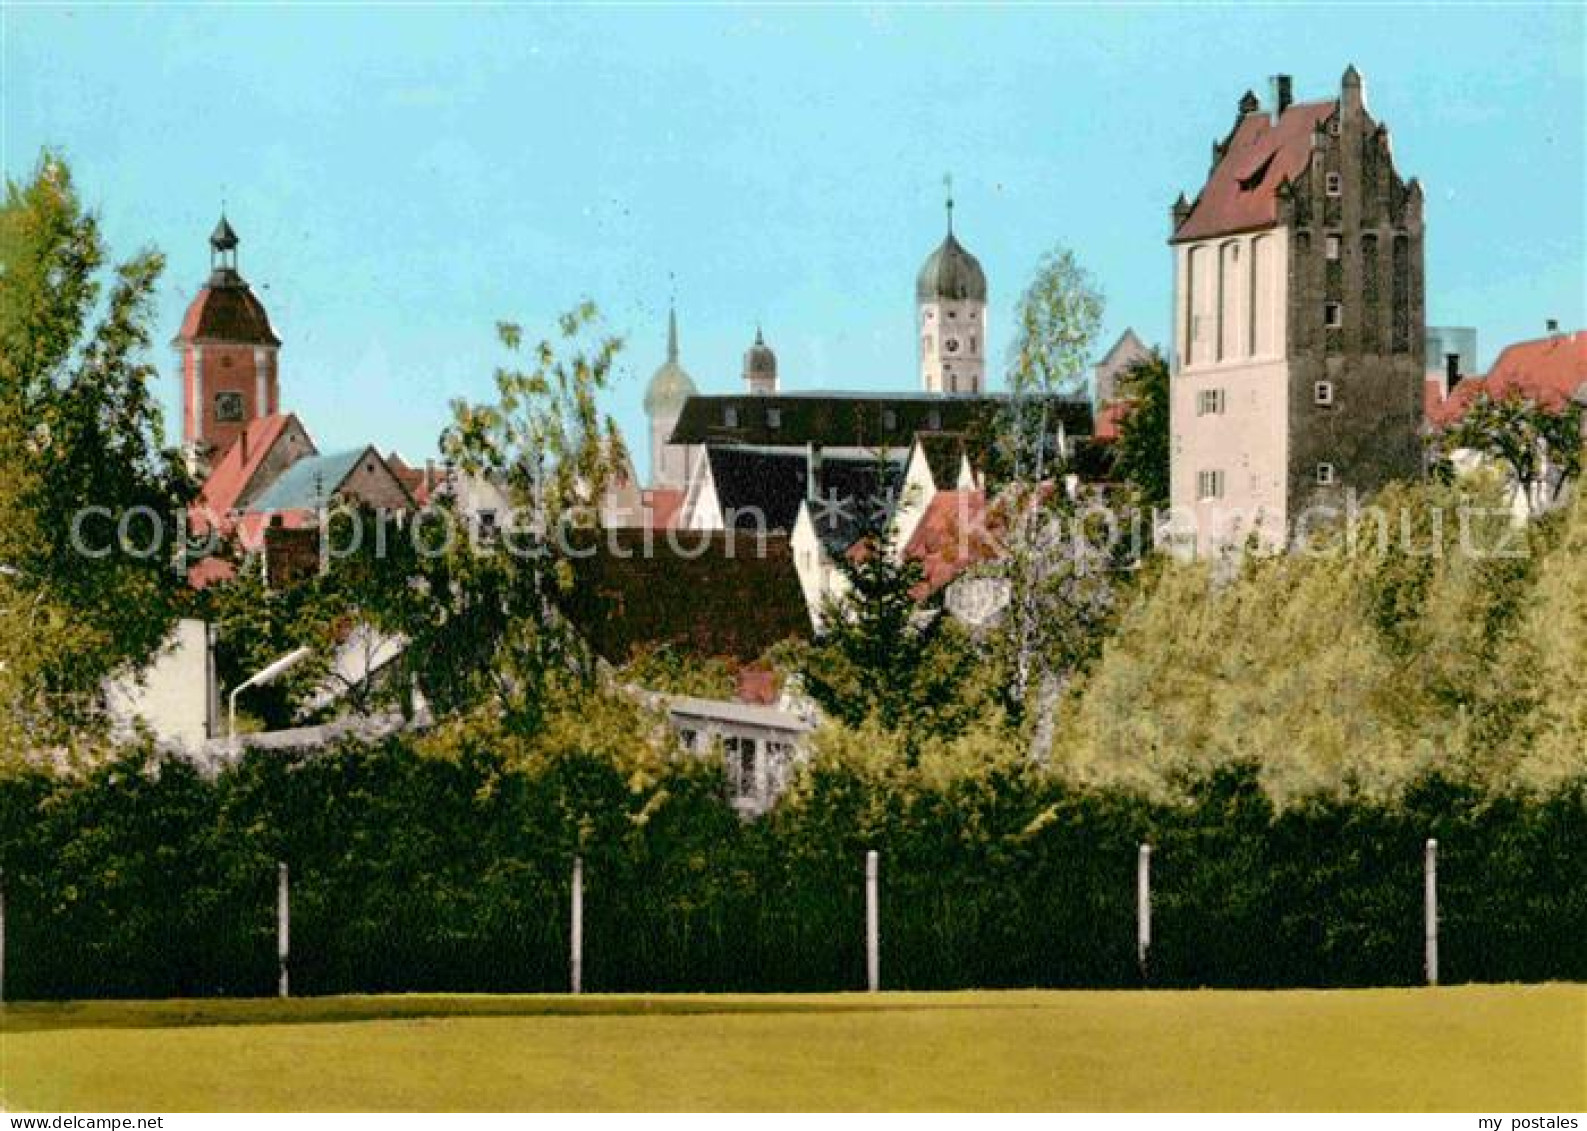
[(671, 384)]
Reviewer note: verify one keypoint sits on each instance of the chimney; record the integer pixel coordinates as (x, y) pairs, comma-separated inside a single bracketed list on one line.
[(1283, 94), (1451, 372), (243, 440)]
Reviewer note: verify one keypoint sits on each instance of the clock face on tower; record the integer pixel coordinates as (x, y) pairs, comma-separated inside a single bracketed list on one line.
[(951, 345)]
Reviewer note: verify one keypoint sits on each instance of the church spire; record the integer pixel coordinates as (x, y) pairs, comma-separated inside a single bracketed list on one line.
[(672, 333), (947, 185)]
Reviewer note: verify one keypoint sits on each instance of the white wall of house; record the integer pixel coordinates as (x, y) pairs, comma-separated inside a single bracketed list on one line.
[(175, 695), (1229, 407), (918, 491)]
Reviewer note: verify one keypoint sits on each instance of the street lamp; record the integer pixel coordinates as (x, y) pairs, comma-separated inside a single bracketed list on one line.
[(259, 679)]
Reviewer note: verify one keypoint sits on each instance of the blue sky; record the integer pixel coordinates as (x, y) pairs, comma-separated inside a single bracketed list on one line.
[(404, 177)]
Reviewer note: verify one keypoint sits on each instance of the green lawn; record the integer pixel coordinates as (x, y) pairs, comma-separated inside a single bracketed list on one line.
[(1469, 1048)]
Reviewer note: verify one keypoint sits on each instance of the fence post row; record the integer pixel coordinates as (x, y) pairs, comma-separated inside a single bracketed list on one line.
[(873, 924), (576, 929), (283, 929), (1430, 912)]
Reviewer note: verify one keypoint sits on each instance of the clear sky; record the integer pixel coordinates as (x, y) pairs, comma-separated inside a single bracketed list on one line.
[(403, 177)]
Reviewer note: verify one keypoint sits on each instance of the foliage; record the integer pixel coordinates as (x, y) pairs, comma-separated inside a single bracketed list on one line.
[(443, 864), (1408, 639), (880, 654), (1141, 452), (676, 671), (1056, 326), (491, 630), (1540, 445), (79, 427)]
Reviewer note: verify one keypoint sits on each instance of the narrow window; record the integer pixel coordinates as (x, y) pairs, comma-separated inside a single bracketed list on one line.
[(1331, 243), (1334, 184), (1325, 474), (1209, 484), (934, 421), (1209, 402), (889, 419), (730, 416), (774, 418), (1333, 315), (1323, 392), (1333, 126)]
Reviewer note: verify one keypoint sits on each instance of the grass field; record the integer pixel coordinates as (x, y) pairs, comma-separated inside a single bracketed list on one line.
[(1469, 1048)]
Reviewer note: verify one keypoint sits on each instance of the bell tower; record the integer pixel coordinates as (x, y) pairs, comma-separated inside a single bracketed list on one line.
[(950, 298), (227, 353)]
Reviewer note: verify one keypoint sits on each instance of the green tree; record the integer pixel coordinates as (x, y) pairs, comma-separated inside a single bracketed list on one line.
[(1056, 325), (1141, 454), (79, 428), (491, 627), (881, 656), (1541, 446)]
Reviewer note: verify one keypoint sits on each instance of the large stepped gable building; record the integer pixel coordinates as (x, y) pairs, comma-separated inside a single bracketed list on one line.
[(1298, 321)]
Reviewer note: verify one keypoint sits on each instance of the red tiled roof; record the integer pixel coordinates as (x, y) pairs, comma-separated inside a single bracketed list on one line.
[(1547, 370), (663, 505), (1109, 420), (1241, 194), (210, 571), (952, 536), (235, 471), (226, 310), (756, 685)]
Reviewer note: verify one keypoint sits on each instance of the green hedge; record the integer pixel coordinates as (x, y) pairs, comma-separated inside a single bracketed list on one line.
[(414, 872)]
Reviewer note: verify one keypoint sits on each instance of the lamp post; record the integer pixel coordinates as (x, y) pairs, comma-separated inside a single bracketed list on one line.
[(266, 675)]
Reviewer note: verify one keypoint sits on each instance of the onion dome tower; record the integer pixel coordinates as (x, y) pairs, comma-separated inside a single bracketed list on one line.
[(760, 367), (227, 351), (950, 297), (670, 386)]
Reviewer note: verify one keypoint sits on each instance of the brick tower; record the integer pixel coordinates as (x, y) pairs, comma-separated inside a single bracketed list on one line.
[(227, 351)]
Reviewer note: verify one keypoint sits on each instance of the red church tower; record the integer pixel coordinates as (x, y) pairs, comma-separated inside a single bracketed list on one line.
[(228, 356)]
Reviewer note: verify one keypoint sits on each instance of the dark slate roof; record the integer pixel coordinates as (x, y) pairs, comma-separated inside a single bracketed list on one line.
[(943, 451), (864, 420), (223, 238), (716, 593), (754, 482), (855, 495)]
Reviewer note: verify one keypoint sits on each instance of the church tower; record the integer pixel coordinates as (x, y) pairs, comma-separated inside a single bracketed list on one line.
[(760, 367), (669, 388), (950, 295), (227, 351)]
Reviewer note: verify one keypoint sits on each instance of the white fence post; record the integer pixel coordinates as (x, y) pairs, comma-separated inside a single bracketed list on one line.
[(283, 929), (873, 924), (576, 929), (1430, 912), (1143, 907)]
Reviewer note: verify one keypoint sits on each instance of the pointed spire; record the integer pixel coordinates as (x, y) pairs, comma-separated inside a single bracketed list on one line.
[(223, 238), (947, 184), (672, 333), (760, 339)]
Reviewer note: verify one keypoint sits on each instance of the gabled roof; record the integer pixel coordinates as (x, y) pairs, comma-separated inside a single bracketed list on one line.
[(1241, 193), (311, 483), (233, 476), (945, 453), (755, 484), (1550, 370), (840, 419), (714, 593), (951, 537)]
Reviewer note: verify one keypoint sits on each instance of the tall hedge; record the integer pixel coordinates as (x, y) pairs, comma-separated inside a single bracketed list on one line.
[(417, 870)]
